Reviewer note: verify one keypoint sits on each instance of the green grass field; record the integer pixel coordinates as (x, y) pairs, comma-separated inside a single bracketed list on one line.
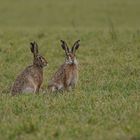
[(106, 102)]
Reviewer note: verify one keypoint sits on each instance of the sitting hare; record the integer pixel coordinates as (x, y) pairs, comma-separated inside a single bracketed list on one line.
[(30, 79), (67, 75)]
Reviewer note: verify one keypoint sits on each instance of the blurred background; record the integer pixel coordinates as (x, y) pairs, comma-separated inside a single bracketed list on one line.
[(70, 13), (106, 102)]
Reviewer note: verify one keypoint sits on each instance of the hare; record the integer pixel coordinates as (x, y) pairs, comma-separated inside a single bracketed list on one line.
[(67, 75), (30, 79)]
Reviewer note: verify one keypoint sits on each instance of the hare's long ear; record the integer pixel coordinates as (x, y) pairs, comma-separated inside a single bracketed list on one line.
[(75, 46), (34, 48), (64, 46)]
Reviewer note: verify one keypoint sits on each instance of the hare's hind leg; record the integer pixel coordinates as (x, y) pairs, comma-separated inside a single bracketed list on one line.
[(54, 89), (28, 90)]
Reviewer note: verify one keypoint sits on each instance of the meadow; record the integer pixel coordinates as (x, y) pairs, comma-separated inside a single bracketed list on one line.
[(106, 102)]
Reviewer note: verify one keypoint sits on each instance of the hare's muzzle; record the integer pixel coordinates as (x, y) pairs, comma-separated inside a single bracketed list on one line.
[(45, 64)]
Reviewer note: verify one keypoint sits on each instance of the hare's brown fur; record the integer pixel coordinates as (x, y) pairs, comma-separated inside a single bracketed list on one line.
[(67, 75), (31, 78)]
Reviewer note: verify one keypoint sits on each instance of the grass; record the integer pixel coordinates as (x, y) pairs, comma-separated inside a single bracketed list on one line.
[(106, 102)]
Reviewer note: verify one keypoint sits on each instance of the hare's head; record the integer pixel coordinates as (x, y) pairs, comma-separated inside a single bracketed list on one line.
[(39, 60), (70, 53)]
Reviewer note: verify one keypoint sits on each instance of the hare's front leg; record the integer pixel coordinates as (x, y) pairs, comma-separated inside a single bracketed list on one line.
[(37, 89), (71, 87)]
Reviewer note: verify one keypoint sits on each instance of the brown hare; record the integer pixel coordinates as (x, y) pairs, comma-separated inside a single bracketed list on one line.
[(30, 79), (67, 75)]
